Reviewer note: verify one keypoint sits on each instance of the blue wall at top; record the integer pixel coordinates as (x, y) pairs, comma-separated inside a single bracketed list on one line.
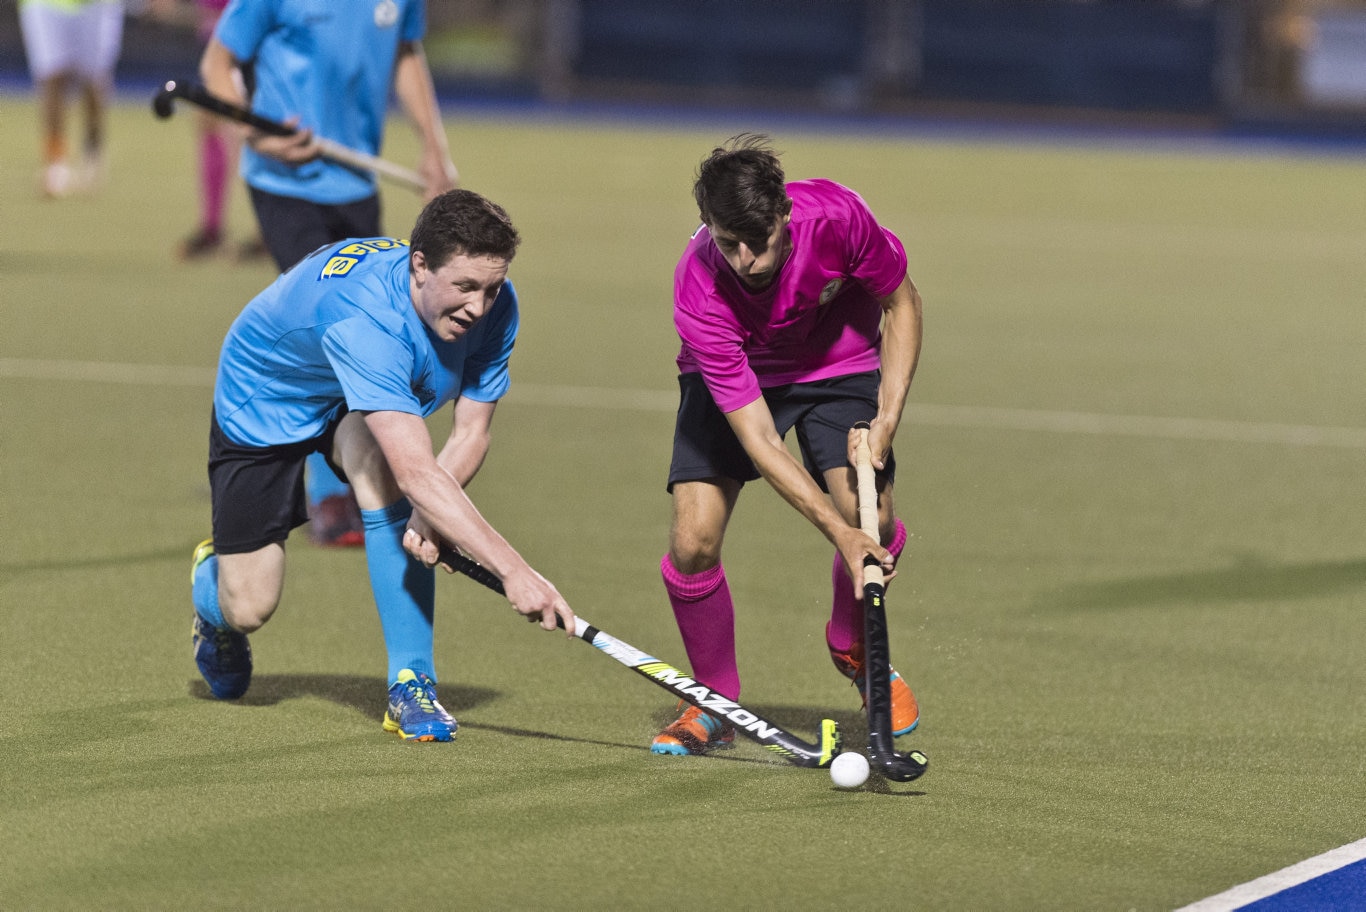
[(1128, 54), (1119, 53), (794, 44)]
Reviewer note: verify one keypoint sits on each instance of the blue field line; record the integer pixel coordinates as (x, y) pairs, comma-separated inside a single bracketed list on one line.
[(1332, 882)]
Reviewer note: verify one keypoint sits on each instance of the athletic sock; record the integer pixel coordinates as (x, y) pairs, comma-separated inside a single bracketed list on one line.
[(321, 481), (706, 620), (213, 180), (846, 610), (405, 591), (54, 149), (204, 594)]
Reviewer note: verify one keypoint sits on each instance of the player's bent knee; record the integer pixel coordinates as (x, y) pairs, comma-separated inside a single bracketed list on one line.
[(690, 561), (246, 615), (249, 587)]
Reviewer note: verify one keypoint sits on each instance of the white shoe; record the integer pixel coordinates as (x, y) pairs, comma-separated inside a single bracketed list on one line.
[(57, 180)]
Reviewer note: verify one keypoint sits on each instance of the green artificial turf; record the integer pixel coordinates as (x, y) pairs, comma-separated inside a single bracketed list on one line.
[(1137, 642)]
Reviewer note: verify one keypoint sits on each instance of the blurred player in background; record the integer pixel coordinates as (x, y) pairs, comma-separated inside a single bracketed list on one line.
[(795, 309), (72, 48), (217, 143), (344, 356), (329, 68)]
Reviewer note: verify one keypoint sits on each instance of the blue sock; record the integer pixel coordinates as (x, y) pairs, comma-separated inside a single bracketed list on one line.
[(320, 480), (205, 592), (405, 591)]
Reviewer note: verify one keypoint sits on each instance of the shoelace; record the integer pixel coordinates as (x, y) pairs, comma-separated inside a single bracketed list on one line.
[(420, 695)]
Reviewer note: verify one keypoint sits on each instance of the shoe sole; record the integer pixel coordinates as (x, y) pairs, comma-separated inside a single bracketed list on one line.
[(675, 748), (392, 728)]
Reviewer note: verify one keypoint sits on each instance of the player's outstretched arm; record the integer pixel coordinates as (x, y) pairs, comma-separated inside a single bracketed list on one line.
[(404, 445), (753, 425)]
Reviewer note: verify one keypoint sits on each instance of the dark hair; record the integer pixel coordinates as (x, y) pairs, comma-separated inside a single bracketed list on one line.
[(741, 189), (462, 221)]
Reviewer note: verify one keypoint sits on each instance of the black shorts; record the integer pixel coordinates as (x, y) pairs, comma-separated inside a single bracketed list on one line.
[(258, 492), (294, 228), (822, 411)]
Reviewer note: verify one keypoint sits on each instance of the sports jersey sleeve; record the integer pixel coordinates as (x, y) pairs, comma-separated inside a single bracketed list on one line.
[(485, 377), (373, 366), (877, 261), (712, 339), (414, 22), (243, 26)]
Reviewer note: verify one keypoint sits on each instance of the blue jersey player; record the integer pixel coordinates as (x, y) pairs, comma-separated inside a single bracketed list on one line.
[(345, 355), (329, 67)]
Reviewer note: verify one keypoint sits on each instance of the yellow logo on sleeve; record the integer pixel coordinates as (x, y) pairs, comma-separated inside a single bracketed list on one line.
[(345, 259)]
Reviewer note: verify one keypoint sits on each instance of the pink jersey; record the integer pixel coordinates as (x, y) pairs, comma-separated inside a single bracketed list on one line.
[(819, 317), (209, 13)]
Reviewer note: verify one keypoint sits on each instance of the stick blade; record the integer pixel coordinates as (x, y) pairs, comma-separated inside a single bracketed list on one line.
[(901, 767), (163, 103)]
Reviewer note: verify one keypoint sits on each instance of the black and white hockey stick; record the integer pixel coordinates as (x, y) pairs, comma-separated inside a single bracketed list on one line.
[(876, 654), (163, 105), (782, 742)]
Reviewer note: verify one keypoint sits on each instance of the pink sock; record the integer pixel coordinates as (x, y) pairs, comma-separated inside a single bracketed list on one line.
[(846, 612), (706, 621), (213, 179)]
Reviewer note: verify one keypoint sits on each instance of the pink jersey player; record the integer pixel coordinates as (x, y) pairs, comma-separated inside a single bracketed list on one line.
[(795, 312)]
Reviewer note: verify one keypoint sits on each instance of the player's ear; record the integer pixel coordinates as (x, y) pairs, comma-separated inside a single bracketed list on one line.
[(417, 261)]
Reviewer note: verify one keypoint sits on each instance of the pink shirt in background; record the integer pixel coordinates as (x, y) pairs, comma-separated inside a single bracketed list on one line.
[(819, 318)]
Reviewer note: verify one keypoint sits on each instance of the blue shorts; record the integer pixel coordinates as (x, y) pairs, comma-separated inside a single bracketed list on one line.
[(822, 411), (258, 492)]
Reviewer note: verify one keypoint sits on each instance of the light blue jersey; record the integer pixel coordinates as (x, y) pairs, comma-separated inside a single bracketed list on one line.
[(340, 329), (330, 64)]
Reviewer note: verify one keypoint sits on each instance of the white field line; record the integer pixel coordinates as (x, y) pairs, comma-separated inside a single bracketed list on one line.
[(1284, 879), (1072, 236), (966, 416)]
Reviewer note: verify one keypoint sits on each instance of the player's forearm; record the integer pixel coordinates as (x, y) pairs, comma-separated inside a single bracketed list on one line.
[(463, 455), (753, 425), (448, 509), (217, 68), (900, 352), (469, 439), (792, 482), (417, 96), (441, 502)]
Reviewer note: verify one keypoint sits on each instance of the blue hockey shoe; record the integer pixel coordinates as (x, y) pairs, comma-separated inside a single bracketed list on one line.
[(223, 655), (414, 714), (224, 658)]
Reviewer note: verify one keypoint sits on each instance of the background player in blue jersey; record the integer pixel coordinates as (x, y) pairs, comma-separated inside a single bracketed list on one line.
[(328, 66), (345, 355)]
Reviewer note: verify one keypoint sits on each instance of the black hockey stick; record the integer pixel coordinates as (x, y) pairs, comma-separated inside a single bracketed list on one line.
[(876, 655), (783, 743), (163, 105)]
